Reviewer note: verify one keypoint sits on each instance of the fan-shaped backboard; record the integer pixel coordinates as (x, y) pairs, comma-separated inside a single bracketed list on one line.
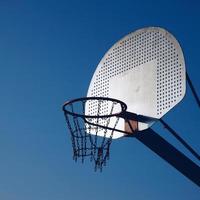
[(146, 70)]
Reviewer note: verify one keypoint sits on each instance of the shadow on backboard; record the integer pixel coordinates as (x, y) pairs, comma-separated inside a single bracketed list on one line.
[(170, 154)]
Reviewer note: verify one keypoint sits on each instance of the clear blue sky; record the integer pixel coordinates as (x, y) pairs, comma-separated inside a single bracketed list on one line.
[(48, 53)]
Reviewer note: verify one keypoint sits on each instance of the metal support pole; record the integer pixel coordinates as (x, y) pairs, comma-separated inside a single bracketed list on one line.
[(170, 154), (183, 142), (193, 89)]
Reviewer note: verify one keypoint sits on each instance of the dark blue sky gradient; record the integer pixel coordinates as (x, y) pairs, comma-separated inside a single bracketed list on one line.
[(48, 53)]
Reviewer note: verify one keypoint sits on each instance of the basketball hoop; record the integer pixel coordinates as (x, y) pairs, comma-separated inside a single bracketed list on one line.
[(138, 81), (85, 129)]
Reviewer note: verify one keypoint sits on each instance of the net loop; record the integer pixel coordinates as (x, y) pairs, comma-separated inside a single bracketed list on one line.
[(84, 129)]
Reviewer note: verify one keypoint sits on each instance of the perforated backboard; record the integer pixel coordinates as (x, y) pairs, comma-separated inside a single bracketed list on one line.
[(146, 70)]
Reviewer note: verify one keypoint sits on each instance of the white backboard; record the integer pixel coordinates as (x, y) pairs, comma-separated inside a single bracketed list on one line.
[(146, 70)]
